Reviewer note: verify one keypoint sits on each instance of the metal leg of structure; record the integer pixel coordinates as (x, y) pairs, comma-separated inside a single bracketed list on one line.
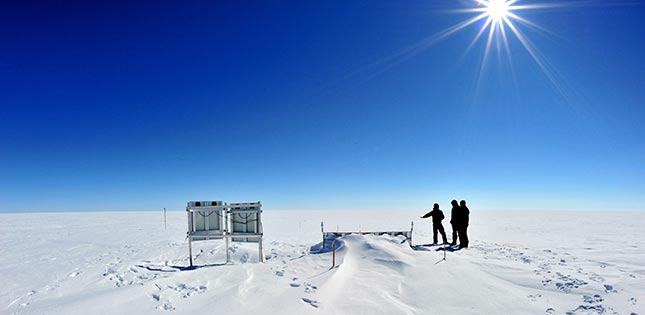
[(228, 252), (261, 258), (190, 251)]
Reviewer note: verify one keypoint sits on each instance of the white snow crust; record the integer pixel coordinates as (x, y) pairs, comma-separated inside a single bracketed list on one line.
[(518, 262)]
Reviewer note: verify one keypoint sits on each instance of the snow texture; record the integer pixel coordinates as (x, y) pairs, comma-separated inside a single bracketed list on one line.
[(517, 263)]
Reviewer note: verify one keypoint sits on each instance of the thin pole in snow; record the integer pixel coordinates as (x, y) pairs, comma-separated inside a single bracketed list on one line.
[(322, 231), (444, 250), (164, 219), (411, 231)]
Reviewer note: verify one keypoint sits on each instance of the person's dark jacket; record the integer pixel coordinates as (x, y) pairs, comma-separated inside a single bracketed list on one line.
[(455, 215), (464, 214), (436, 214)]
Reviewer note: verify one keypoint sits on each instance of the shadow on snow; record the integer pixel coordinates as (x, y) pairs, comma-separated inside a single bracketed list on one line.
[(440, 248), (177, 268)]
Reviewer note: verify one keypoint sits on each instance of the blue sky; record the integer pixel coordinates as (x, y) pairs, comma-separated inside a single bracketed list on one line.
[(304, 105)]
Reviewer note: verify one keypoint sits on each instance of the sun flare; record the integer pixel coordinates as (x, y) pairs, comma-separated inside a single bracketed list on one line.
[(500, 21), (501, 25), (497, 9)]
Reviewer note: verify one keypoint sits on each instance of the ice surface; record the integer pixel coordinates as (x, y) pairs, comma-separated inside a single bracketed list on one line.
[(517, 263)]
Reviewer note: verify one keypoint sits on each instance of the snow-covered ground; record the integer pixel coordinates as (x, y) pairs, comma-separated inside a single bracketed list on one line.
[(518, 263)]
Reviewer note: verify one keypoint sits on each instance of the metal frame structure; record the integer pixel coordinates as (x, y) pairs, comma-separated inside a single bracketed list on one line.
[(213, 220), (329, 237)]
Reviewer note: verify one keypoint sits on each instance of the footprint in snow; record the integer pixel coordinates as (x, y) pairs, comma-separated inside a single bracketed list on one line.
[(596, 277), (549, 311), (166, 306), (592, 299), (610, 288), (310, 288), (593, 305), (186, 291), (74, 274), (590, 309), (311, 302)]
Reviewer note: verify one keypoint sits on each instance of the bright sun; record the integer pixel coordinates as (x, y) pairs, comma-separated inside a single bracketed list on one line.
[(496, 9), (500, 19), (498, 22)]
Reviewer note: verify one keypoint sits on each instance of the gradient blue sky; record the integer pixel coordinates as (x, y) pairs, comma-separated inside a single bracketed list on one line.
[(140, 106)]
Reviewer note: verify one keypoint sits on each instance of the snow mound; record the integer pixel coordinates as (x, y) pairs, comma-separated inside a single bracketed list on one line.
[(375, 266)]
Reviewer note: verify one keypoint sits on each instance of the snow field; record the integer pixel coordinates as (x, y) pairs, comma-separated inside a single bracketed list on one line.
[(518, 263)]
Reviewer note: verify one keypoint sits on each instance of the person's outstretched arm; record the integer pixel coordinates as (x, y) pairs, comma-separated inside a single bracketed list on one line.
[(427, 215)]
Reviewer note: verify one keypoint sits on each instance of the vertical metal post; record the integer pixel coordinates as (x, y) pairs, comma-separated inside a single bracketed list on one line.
[(322, 231), (206, 223), (228, 253), (191, 229), (444, 250), (190, 251), (164, 219), (192, 213), (227, 232), (225, 219), (260, 230), (411, 231), (189, 215)]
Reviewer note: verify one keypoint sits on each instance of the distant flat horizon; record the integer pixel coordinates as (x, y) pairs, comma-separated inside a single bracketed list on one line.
[(422, 211)]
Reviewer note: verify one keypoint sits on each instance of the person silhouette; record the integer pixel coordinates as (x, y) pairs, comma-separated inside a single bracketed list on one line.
[(454, 221), (464, 213), (437, 217)]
